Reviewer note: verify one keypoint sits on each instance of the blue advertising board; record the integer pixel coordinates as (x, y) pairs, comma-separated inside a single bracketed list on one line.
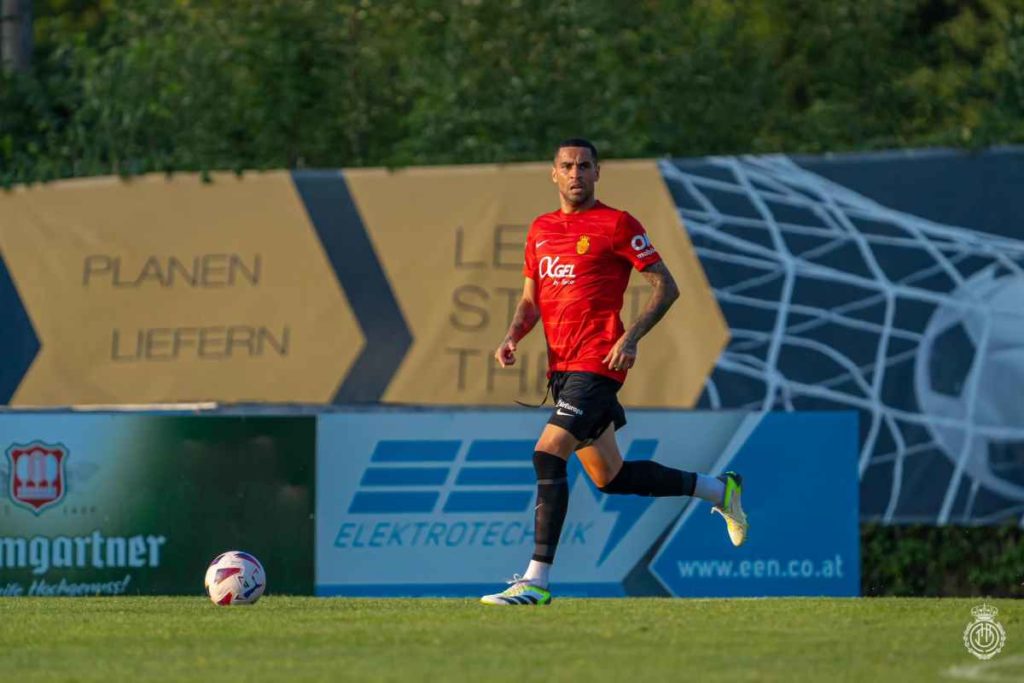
[(415, 502), (799, 470)]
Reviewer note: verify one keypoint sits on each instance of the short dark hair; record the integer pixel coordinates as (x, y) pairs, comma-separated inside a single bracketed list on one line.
[(578, 142)]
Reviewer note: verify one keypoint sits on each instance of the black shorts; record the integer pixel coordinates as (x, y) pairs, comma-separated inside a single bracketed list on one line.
[(585, 404)]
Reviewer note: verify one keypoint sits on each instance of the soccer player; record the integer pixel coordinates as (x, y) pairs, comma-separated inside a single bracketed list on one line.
[(578, 261)]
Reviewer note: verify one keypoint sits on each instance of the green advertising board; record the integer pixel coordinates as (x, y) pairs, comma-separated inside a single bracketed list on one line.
[(114, 504)]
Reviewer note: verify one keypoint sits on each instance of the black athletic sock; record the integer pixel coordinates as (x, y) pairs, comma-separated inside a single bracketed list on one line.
[(648, 478), (552, 504)]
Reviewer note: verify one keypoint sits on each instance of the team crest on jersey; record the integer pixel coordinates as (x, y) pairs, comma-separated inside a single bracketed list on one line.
[(583, 246)]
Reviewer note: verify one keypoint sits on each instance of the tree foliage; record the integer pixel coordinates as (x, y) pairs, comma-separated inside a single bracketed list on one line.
[(942, 561), (129, 87)]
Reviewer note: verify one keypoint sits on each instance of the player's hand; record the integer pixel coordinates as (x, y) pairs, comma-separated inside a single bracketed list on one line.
[(506, 353), (622, 356)]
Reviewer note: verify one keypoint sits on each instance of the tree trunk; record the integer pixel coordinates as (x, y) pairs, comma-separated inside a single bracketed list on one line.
[(16, 34)]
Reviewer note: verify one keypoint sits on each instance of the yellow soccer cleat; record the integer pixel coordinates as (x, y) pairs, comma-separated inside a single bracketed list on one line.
[(732, 509), (521, 592)]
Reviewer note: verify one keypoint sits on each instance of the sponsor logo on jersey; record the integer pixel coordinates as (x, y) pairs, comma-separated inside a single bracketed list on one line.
[(640, 242), (551, 267), (642, 245)]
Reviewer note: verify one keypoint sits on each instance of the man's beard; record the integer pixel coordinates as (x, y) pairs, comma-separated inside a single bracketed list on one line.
[(583, 199)]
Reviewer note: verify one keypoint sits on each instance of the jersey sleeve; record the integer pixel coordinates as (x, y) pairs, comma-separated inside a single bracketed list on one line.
[(530, 255), (632, 243)]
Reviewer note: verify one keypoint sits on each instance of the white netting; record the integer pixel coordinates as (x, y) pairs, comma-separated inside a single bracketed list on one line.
[(834, 301)]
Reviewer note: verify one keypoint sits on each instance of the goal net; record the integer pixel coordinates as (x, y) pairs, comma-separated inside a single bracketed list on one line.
[(836, 302)]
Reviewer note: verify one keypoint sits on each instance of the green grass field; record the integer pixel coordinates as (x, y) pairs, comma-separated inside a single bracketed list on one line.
[(637, 640)]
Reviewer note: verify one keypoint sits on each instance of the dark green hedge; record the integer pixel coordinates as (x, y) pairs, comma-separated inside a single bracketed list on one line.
[(126, 87), (942, 561)]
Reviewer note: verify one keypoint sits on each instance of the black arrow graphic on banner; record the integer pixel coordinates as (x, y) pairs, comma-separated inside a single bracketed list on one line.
[(18, 343), (348, 247)]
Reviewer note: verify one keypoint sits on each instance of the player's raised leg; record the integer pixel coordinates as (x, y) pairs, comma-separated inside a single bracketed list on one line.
[(549, 463), (603, 463)]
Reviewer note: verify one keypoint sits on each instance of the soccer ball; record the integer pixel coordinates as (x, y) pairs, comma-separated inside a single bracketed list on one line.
[(235, 578), (969, 371)]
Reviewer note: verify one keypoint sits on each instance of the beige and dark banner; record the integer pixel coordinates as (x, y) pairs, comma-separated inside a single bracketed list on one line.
[(175, 290), (451, 241), (319, 287)]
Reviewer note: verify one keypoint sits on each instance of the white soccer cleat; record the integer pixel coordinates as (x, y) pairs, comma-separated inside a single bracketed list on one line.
[(731, 508), (520, 592)]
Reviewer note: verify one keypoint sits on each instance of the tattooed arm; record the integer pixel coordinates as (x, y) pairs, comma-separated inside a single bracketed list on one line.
[(622, 356), (526, 316)]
